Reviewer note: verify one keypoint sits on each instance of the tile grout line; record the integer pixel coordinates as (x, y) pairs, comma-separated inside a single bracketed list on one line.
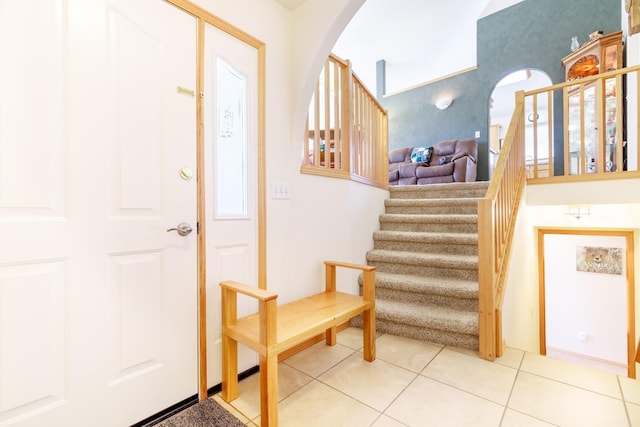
[(548, 378), (418, 374), (624, 401), (573, 385), (302, 372), (515, 379), (318, 380), (461, 389), (381, 413)]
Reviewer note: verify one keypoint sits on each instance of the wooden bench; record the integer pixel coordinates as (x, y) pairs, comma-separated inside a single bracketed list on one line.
[(275, 329)]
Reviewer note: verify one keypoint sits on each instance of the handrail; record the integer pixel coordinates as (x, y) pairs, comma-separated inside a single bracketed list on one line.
[(347, 127), (497, 214), (585, 80)]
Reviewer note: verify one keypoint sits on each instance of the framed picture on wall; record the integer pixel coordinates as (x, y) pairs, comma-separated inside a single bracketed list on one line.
[(595, 259)]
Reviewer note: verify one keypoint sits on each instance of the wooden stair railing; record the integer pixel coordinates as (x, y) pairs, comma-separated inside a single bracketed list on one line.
[(497, 214), (498, 210), (346, 132)]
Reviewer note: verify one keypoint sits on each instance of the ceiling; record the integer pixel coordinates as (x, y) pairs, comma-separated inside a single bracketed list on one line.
[(291, 4), (420, 40)]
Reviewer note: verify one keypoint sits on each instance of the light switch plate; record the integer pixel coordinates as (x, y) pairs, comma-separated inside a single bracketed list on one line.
[(280, 190)]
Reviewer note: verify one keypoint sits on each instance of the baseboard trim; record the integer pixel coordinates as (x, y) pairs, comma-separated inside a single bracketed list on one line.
[(168, 412), (586, 360), (186, 403)]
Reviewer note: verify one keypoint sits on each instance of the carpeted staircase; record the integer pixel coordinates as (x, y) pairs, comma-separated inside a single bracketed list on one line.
[(427, 257)]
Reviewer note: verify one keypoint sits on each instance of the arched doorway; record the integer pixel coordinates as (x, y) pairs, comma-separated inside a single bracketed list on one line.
[(502, 104)]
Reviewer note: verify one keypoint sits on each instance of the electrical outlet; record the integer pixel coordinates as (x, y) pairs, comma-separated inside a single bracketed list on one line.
[(477, 134), (280, 190), (582, 336)]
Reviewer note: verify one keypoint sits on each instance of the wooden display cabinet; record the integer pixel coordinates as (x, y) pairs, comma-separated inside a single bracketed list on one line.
[(594, 111)]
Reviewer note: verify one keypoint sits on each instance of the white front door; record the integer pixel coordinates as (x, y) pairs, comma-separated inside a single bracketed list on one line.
[(98, 302), (231, 171)]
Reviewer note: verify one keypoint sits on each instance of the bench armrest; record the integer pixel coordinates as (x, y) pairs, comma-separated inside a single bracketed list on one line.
[(368, 279), (349, 265), (257, 293), (267, 336)]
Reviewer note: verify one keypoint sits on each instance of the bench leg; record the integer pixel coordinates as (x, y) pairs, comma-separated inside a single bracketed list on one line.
[(369, 334), (269, 390), (229, 369), (331, 336)]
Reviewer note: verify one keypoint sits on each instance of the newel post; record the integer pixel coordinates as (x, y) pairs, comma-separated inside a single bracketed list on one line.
[(486, 268)]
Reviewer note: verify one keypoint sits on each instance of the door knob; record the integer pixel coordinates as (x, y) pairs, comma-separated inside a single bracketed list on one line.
[(183, 229)]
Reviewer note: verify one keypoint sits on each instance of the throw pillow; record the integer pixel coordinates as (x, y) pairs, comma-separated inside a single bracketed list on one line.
[(445, 159), (421, 154)]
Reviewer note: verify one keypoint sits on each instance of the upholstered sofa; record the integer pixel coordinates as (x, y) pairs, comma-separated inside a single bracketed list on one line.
[(451, 161)]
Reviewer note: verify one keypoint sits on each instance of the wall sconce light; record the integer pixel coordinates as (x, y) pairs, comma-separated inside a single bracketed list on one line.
[(444, 103), (578, 211)]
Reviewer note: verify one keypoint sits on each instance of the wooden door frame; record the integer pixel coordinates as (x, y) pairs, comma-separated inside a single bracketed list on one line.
[(629, 235), (204, 17)]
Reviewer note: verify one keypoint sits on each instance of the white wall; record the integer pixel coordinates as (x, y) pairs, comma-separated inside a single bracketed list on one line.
[(585, 312), (324, 218)]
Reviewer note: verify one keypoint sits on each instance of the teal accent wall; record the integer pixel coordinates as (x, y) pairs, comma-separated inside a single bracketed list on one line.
[(532, 34)]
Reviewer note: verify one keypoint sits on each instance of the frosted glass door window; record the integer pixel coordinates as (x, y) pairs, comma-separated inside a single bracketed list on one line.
[(231, 142)]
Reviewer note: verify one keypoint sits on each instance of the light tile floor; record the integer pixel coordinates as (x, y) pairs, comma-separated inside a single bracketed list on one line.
[(416, 383)]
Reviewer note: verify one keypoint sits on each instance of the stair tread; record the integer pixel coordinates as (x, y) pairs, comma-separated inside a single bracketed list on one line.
[(460, 339), (422, 310), (426, 236), (428, 316), (418, 258), (422, 284), (436, 218), (452, 186), (439, 191), (431, 202)]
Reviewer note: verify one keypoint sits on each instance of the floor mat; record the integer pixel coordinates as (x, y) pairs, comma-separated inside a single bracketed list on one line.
[(206, 413)]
